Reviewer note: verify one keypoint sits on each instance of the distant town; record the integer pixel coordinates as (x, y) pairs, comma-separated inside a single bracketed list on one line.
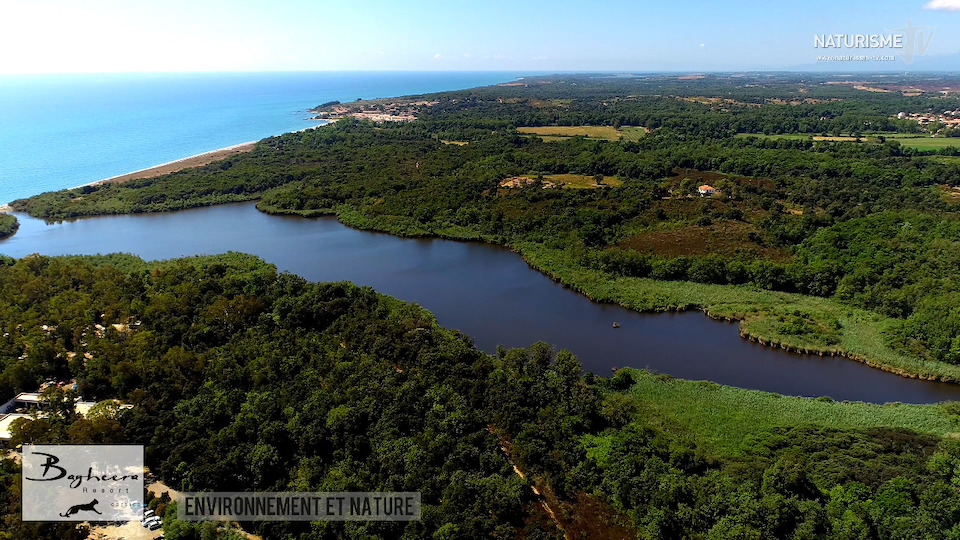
[(376, 110)]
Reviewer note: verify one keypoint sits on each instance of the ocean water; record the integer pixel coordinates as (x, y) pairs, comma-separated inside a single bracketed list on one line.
[(61, 131)]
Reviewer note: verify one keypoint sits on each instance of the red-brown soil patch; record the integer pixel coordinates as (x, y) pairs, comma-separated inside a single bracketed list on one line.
[(726, 239)]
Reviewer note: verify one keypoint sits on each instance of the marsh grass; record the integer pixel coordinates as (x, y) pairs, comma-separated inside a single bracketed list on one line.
[(725, 420), (830, 327)]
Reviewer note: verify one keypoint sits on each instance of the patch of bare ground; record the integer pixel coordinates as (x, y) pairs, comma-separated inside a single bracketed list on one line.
[(717, 101), (132, 530), (726, 239), (586, 517), (796, 102), (950, 194)]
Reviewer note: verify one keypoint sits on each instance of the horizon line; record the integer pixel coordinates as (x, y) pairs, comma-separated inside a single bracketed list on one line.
[(517, 71)]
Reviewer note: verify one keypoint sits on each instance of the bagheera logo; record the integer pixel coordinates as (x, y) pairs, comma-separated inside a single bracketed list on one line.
[(82, 482), (75, 479)]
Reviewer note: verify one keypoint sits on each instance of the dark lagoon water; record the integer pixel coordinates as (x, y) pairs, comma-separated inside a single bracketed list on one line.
[(485, 291)]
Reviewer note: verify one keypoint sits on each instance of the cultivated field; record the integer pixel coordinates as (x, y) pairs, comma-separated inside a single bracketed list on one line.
[(607, 133), (926, 143), (564, 181), (581, 181), (922, 142)]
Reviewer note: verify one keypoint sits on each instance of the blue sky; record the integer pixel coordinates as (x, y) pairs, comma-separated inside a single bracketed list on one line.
[(48, 36)]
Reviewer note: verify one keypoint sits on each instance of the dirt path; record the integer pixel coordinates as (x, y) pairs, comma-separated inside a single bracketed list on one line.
[(505, 446)]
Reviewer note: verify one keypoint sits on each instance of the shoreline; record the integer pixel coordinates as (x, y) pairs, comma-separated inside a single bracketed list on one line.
[(197, 160)]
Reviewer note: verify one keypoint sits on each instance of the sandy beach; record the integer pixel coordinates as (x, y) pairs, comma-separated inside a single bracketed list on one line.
[(187, 162), (180, 164)]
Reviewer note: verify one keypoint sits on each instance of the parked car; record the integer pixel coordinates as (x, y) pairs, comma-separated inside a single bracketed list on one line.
[(154, 526)]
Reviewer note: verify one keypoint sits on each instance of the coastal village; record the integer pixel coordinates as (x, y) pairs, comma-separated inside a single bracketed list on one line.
[(375, 110)]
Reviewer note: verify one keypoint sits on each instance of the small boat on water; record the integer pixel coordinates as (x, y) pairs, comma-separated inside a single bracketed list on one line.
[(616, 325)]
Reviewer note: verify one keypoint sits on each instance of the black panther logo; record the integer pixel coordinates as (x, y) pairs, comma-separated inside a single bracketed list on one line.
[(84, 507)]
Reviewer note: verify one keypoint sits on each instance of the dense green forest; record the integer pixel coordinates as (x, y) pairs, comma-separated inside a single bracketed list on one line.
[(245, 379), (867, 223), (8, 225)]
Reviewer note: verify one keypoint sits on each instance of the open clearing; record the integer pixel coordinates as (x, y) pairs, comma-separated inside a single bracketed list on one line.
[(728, 239), (736, 414), (607, 133), (926, 143), (919, 141), (950, 194), (564, 181), (581, 181), (836, 138), (948, 160)]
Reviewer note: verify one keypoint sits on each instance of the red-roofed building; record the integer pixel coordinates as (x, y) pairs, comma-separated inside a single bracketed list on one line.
[(706, 191)]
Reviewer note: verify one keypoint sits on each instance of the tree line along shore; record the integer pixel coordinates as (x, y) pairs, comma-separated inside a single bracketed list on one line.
[(8, 225)]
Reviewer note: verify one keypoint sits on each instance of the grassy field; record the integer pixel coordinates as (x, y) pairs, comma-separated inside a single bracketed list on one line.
[(841, 329), (925, 142), (580, 181), (845, 138), (950, 194), (949, 160), (607, 133), (919, 141), (789, 136), (803, 136), (724, 417)]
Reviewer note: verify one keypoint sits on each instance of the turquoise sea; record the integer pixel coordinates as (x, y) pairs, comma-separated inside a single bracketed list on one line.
[(61, 131)]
